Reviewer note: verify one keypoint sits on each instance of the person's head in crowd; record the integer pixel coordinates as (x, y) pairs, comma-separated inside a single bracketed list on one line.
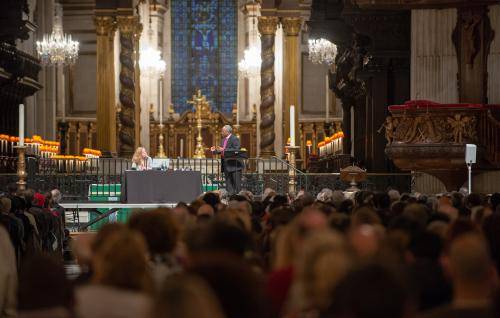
[(183, 216), (460, 227), (56, 196), (394, 195), (247, 194), (457, 200), (218, 236), (339, 222), (491, 230), (324, 259), (5, 205), (237, 216), (278, 201), (44, 288), (364, 215), (186, 296), (121, 262), (158, 228), (12, 189), (238, 288), (8, 272), (439, 228), (365, 240), (258, 209), (397, 208), (382, 201), (195, 205), (325, 195), (237, 197), (418, 213), (469, 264), (480, 213), (280, 216), (47, 199), (495, 201), (38, 200), (28, 195), (104, 234), (405, 197), (205, 211), (289, 239), (212, 199), (426, 245), (17, 204), (363, 198), (242, 205), (370, 292), (346, 207), (268, 194), (337, 198), (473, 200)]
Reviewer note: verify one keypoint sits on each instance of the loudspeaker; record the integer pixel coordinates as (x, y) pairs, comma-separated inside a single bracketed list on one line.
[(470, 153)]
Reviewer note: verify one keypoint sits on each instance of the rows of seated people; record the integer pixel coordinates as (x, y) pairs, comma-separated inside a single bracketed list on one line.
[(367, 256), (34, 221)]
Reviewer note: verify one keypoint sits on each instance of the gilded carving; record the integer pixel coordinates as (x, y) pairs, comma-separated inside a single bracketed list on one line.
[(389, 126), (105, 25), (430, 129), (291, 25), (268, 25)]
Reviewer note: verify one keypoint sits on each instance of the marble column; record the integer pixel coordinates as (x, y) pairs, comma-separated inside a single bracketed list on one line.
[(291, 28), (106, 118), (127, 26), (267, 27)]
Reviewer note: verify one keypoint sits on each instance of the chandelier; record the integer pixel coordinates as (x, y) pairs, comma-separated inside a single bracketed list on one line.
[(250, 64), (151, 63), (57, 48), (322, 51)]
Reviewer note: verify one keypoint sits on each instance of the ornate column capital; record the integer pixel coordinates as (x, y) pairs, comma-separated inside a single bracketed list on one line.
[(105, 25), (268, 25), (291, 25), (129, 24)]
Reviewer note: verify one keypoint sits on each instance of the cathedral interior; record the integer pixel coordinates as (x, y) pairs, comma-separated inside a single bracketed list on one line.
[(395, 87)]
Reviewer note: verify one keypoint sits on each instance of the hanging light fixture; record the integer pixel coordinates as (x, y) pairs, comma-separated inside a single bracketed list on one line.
[(57, 48), (322, 51), (150, 61), (250, 64)]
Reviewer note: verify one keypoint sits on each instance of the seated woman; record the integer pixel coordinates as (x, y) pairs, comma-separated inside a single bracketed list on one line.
[(141, 160)]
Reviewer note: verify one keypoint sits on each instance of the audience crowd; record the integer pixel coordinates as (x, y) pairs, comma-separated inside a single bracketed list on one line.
[(356, 255)]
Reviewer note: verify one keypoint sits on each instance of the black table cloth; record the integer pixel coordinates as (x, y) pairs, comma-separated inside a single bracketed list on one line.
[(155, 186)]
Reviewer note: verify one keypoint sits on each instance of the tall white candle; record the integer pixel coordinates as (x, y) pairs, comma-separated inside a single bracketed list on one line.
[(160, 105), (181, 152), (292, 125), (21, 125), (238, 102), (352, 131), (327, 94)]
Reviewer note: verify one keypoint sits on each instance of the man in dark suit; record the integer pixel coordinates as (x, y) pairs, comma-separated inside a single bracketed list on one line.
[(231, 165)]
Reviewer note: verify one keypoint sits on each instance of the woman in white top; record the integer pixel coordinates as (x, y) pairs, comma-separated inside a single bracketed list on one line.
[(141, 160)]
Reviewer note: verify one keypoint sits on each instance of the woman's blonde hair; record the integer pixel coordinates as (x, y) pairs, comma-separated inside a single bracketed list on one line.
[(188, 296), (137, 157), (324, 259), (121, 262)]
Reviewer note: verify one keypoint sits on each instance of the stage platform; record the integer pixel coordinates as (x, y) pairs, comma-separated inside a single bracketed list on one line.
[(84, 216)]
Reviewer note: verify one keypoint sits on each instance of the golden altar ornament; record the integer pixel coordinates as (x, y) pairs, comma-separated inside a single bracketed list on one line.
[(200, 103)]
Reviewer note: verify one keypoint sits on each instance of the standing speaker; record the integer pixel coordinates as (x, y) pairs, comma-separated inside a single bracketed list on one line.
[(470, 153)]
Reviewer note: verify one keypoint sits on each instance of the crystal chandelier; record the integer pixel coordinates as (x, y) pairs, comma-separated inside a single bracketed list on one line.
[(151, 63), (322, 51), (57, 48), (250, 64)]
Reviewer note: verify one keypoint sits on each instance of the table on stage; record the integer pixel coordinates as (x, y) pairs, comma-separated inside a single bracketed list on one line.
[(156, 186)]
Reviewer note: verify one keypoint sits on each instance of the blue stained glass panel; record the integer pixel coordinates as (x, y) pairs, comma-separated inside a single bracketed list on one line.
[(204, 52)]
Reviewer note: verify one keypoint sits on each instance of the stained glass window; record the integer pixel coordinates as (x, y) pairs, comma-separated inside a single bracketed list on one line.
[(204, 52)]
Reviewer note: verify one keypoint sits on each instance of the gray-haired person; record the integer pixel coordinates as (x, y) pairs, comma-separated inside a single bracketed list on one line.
[(231, 167)]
